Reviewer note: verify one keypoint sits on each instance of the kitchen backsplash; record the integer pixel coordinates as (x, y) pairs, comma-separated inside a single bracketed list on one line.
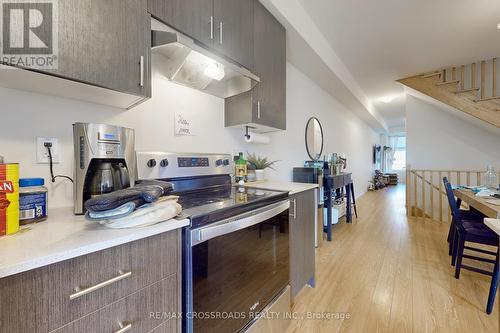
[(26, 116), (32, 115)]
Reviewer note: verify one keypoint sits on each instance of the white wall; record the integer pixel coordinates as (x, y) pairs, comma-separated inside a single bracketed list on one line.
[(437, 139), (344, 132), (27, 115)]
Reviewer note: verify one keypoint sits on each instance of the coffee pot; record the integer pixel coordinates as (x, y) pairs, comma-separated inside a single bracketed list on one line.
[(107, 177)]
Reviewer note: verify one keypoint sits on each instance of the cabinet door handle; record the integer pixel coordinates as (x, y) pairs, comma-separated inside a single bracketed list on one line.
[(211, 27), (221, 28), (294, 214), (81, 292), (124, 328), (141, 63), (258, 109)]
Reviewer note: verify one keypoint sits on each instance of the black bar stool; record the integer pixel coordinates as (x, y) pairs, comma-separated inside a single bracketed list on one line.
[(353, 199)]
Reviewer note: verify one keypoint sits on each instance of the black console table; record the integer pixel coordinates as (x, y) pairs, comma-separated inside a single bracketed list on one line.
[(334, 184)]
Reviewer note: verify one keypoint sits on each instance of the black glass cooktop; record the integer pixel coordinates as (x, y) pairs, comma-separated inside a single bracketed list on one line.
[(209, 205)]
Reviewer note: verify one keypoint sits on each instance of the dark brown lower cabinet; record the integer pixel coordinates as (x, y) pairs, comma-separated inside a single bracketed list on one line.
[(167, 327), (302, 250), (138, 279), (141, 311), (24, 305)]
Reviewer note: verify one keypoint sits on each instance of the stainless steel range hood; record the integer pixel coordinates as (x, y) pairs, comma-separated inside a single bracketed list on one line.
[(181, 59)]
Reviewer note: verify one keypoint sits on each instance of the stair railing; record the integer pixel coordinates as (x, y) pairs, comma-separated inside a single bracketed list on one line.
[(466, 77), (425, 193)]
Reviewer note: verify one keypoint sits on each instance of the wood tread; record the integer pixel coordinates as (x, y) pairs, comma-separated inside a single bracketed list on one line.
[(425, 76), (486, 99), (447, 82), (466, 90)]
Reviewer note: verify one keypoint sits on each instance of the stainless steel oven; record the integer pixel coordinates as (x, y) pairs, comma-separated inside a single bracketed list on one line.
[(239, 265), (236, 249)]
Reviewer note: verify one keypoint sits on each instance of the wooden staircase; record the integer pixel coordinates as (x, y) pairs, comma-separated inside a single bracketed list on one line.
[(471, 88)]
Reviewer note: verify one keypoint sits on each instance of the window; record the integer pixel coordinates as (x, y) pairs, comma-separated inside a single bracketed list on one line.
[(399, 162), (398, 145)]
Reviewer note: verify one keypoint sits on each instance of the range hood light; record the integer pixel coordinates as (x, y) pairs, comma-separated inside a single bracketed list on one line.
[(215, 71), (183, 60)]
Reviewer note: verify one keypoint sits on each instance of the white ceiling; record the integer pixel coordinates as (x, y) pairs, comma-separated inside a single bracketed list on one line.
[(382, 41), (393, 112)]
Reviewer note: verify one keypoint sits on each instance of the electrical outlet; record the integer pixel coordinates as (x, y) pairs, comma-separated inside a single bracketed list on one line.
[(42, 154)]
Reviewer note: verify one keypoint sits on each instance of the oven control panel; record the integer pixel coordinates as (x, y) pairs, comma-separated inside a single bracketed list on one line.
[(193, 162), (158, 165)]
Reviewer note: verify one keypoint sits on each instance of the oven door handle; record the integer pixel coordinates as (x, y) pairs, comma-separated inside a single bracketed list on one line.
[(238, 222)]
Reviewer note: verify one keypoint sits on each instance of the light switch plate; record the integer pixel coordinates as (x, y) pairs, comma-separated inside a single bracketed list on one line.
[(42, 154)]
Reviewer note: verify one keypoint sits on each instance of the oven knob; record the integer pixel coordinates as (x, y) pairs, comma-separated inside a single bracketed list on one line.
[(226, 162), (218, 162), (164, 163), (152, 163)]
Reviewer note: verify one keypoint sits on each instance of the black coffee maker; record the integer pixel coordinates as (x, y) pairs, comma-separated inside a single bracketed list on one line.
[(104, 161)]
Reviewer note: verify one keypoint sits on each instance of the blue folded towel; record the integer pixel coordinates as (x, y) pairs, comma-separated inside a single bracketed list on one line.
[(122, 211), (145, 192)]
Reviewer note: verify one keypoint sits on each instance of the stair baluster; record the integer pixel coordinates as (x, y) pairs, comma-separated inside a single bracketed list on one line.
[(468, 88)]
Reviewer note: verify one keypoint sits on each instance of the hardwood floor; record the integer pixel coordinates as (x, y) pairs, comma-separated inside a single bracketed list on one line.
[(392, 274)]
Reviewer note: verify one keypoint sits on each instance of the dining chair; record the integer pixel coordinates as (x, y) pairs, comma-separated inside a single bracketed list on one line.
[(493, 286), (471, 215), (472, 232)]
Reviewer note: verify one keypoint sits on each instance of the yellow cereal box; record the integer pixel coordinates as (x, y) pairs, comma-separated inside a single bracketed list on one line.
[(9, 198)]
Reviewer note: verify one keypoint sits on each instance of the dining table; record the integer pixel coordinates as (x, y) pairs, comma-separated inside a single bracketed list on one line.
[(489, 206)]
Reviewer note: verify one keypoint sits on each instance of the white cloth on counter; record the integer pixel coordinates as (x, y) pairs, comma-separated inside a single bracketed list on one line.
[(495, 202), (486, 193), (162, 210)]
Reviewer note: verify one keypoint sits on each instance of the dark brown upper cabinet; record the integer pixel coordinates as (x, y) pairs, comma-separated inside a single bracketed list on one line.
[(106, 43), (247, 33), (103, 44), (264, 107), (234, 30), (194, 18), (225, 26), (163, 10), (270, 66)]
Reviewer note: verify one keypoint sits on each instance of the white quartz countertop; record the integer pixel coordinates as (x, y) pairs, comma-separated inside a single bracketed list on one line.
[(493, 224), (291, 187), (64, 236)]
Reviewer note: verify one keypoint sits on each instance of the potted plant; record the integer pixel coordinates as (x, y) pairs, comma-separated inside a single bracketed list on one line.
[(260, 164)]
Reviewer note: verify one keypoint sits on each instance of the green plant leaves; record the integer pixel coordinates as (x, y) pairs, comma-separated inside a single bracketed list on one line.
[(259, 162)]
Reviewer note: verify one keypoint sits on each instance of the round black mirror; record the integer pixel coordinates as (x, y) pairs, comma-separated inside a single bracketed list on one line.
[(314, 139)]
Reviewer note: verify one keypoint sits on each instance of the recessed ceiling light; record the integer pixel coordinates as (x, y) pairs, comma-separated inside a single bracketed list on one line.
[(387, 99)]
